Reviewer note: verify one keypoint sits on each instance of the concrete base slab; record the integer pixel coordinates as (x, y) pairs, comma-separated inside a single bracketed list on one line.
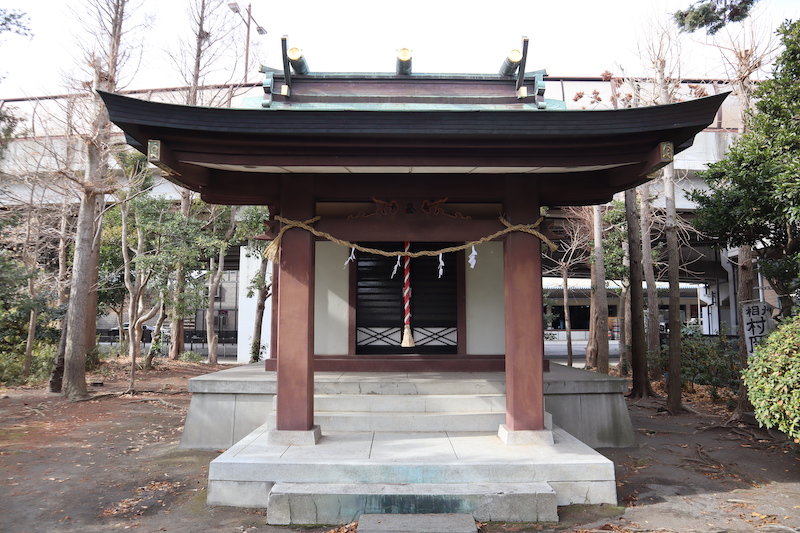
[(339, 503), (417, 523), (282, 437), (519, 438)]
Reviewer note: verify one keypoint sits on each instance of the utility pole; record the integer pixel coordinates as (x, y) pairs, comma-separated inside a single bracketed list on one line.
[(234, 6)]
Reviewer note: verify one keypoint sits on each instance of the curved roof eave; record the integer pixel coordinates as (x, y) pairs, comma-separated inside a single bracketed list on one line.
[(590, 154)]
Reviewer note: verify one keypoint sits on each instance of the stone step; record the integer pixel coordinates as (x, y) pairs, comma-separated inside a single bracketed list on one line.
[(409, 421), (417, 523), (342, 503), (393, 385), (427, 403)]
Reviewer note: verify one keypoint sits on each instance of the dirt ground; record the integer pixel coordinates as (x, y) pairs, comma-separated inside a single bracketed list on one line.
[(112, 463)]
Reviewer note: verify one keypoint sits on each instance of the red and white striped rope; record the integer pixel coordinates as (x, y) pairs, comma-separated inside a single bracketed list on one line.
[(408, 337), (407, 285)]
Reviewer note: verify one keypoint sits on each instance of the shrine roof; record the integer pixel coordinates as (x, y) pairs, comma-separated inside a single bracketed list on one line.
[(366, 128)]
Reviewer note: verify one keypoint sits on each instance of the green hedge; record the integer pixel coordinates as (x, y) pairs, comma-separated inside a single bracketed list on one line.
[(773, 379)]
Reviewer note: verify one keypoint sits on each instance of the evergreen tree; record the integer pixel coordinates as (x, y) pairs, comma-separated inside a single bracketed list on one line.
[(713, 15), (754, 192)]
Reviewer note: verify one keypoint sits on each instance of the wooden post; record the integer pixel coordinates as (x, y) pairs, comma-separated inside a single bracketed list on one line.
[(295, 403), (523, 310)]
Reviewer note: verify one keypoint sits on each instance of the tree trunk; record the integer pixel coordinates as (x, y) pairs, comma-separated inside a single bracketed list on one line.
[(674, 381), (57, 374), (744, 294), (624, 312), (134, 349), (93, 266), (602, 297), (155, 343), (75, 355), (26, 364), (214, 280), (567, 319), (591, 345), (212, 338), (625, 330), (82, 311), (653, 333), (641, 387), (63, 255), (178, 338), (261, 304)]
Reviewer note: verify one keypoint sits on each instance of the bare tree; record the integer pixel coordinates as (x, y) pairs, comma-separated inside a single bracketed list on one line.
[(207, 52), (105, 57), (574, 244), (648, 265), (199, 56), (662, 49)]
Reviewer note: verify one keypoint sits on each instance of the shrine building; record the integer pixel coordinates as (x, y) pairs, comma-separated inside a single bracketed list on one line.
[(407, 230)]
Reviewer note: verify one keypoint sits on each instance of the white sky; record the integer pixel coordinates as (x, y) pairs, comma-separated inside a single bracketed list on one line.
[(568, 38)]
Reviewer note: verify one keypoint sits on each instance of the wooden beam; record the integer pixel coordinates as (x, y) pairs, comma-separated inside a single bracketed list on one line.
[(659, 157), (238, 188), (455, 187), (160, 154), (405, 156)]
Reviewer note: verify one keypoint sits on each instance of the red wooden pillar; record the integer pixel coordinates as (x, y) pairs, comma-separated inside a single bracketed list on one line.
[(295, 339), (523, 310)]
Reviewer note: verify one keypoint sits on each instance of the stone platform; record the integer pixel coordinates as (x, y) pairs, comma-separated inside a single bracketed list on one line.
[(406, 443), (350, 473)]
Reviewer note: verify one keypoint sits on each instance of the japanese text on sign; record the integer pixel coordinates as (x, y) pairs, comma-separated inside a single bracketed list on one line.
[(757, 322)]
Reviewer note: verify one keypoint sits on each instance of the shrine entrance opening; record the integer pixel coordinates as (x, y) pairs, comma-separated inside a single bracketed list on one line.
[(433, 301)]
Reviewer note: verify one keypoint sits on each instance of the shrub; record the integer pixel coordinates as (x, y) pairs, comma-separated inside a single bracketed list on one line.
[(773, 379), (41, 364), (705, 360), (190, 357), (256, 352)]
